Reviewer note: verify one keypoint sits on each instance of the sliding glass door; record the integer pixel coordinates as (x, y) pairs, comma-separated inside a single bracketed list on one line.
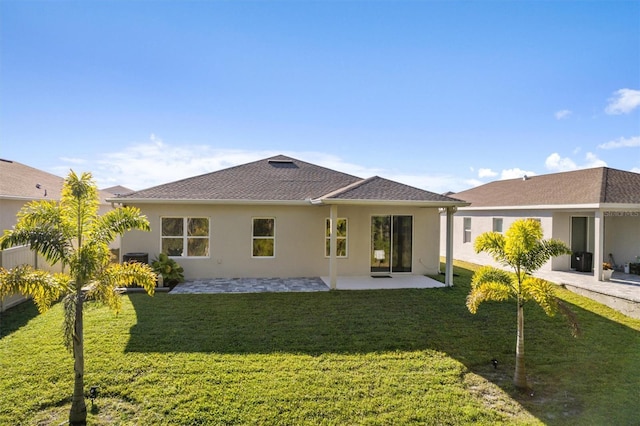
[(391, 244)]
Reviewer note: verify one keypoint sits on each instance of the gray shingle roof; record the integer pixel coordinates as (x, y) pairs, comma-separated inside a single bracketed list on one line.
[(18, 180), (377, 188), (282, 178), (588, 186), (277, 178)]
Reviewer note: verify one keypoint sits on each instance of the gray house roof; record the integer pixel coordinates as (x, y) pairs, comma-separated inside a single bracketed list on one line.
[(284, 179), (19, 181), (594, 186)]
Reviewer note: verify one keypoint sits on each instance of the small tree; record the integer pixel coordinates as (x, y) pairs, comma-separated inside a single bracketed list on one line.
[(523, 250), (72, 233)]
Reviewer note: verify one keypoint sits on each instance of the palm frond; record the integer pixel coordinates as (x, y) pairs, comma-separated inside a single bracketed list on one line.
[(486, 292), (542, 292), (43, 287), (118, 221), (492, 243)]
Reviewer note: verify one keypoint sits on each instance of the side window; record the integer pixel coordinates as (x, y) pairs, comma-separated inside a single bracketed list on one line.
[(341, 237), (466, 236), (497, 224), (263, 237), (185, 236)]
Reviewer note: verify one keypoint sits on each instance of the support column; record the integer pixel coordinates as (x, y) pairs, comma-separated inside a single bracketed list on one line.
[(333, 262), (598, 245), (448, 272)]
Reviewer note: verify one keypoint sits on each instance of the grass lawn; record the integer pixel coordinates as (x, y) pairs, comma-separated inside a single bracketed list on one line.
[(330, 358)]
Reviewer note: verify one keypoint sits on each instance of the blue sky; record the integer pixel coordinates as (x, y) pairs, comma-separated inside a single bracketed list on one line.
[(440, 95)]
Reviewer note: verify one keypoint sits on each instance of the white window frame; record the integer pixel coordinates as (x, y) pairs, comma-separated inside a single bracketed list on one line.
[(327, 237), (262, 237), (495, 221), (185, 237), (466, 230)]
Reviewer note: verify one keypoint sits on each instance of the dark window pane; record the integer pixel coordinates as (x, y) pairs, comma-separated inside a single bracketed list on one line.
[(197, 247), (172, 246), (263, 247), (198, 227), (172, 227), (263, 227)]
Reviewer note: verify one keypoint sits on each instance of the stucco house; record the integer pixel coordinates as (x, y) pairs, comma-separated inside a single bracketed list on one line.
[(283, 217), (19, 185), (596, 212)]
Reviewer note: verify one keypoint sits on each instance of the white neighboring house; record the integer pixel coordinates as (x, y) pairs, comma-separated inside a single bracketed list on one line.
[(282, 217), (596, 212), (19, 185)]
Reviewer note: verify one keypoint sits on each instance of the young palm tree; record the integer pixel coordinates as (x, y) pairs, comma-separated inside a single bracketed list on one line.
[(522, 250), (72, 233)]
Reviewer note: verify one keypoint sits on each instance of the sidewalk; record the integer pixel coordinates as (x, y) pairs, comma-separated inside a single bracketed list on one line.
[(622, 293)]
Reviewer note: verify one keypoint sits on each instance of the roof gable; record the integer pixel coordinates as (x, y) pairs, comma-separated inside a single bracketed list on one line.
[(380, 189), (587, 186)]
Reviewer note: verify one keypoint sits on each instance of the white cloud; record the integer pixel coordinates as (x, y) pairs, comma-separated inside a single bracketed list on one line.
[(621, 142), (515, 173), (556, 163), (623, 102), (563, 114), (483, 173)]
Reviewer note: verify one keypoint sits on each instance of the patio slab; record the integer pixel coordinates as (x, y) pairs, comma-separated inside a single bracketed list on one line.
[(250, 285), (302, 284)]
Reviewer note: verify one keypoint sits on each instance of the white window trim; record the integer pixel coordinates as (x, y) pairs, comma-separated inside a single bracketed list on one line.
[(185, 237), (253, 237), (465, 230), (345, 238)]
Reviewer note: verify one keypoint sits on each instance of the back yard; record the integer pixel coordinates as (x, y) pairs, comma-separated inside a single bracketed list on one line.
[(333, 358)]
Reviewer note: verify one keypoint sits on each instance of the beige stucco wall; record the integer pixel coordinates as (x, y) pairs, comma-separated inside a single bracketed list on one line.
[(300, 239)]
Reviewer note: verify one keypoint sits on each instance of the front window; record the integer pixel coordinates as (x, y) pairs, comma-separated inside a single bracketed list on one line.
[(185, 236), (497, 224), (264, 237), (341, 238)]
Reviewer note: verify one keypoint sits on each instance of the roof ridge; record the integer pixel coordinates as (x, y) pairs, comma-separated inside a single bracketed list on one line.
[(346, 188)]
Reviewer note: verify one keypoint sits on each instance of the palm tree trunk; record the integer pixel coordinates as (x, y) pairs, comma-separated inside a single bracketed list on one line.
[(520, 376), (78, 413)]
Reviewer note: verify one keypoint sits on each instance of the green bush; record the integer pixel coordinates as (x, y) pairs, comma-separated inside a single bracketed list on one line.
[(172, 273)]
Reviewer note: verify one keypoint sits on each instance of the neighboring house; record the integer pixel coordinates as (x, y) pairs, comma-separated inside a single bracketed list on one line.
[(596, 212), (19, 185), (282, 217)]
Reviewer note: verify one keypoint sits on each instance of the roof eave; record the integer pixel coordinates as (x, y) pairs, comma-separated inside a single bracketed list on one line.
[(589, 206), (401, 203), (119, 200)]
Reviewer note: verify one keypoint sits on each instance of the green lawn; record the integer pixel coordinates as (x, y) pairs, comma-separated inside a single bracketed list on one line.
[(333, 358)]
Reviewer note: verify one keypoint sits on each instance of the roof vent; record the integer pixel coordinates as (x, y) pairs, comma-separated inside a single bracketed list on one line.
[(283, 164)]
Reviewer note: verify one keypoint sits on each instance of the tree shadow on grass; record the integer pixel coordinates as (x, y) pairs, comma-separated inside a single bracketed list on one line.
[(567, 373), (16, 317)]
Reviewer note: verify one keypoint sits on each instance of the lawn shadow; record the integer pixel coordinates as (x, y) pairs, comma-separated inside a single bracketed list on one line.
[(352, 322), (16, 317)]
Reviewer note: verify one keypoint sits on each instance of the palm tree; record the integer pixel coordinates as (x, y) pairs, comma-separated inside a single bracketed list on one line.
[(72, 233), (522, 250)]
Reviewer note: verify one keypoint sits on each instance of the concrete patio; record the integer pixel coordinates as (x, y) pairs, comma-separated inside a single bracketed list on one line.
[(302, 284), (621, 293)]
